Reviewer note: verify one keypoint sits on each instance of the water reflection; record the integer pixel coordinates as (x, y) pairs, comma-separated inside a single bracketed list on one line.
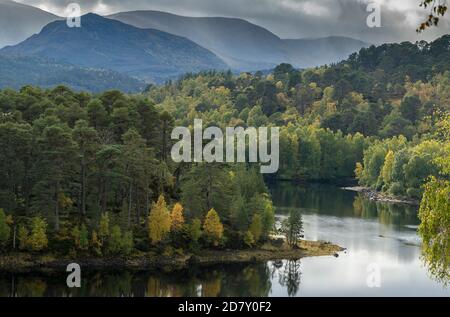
[(235, 280)]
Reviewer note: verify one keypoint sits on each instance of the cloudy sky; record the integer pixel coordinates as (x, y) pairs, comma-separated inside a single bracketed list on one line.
[(286, 18)]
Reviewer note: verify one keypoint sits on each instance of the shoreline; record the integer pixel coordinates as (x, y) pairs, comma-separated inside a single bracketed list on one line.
[(26, 262), (375, 195)]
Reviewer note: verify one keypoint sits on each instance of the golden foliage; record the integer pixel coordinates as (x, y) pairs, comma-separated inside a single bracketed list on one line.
[(159, 221), (213, 228), (177, 217)]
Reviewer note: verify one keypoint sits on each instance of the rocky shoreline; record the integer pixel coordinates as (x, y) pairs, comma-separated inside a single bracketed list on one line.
[(274, 250), (382, 197)]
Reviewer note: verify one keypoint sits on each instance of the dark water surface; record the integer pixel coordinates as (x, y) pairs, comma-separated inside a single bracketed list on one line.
[(383, 249)]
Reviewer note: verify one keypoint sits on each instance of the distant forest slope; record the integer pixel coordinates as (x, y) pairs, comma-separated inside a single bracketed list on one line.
[(20, 71)]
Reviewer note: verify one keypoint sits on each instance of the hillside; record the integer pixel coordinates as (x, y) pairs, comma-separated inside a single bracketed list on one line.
[(20, 71), (147, 54)]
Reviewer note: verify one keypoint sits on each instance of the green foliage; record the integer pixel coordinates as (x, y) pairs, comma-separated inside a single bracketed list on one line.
[(84, 238), (103, 228), (434, 228), (5, 230), (292, 227), (115, 240), (249, 239), (195, 230), (400, 168), (256, 228)]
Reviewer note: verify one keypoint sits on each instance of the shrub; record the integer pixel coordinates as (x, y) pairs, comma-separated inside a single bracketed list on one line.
[(249, 239), (396, 189)]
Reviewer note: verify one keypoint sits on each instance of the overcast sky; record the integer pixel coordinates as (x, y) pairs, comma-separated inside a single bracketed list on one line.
[(286, 18)]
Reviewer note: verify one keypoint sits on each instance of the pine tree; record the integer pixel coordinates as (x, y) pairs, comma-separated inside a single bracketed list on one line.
[(177, 217), (213, 228), (292, 227), (159, 222)]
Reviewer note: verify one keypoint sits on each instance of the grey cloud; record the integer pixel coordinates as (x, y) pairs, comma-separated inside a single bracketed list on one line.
[(286, 18)]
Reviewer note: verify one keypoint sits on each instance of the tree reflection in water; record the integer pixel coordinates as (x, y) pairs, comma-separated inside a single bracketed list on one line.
[(290, 277)]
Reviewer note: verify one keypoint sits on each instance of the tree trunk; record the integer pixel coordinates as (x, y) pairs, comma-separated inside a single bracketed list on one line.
[(129, 204), (57, 206), (83, 189), (14, 237)]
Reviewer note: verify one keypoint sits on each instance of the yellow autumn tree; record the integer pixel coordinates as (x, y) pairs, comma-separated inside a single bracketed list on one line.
[(359, 170), (213, 228), (386, 171), (177, 217), (158, 221)]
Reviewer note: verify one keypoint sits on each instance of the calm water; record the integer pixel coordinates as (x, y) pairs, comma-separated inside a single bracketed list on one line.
[(378, 237)]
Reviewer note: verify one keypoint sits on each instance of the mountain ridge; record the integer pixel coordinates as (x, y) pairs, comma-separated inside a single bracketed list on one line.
[(147, 54), (242, 44), (19, 21)]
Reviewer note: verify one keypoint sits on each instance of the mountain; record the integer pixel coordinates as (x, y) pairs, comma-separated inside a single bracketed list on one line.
[(239, 43), (19, 21), (100, 42), (17, 72), (243, 45)]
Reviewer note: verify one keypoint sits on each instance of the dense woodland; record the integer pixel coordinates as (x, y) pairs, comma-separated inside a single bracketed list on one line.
[(93, 172)]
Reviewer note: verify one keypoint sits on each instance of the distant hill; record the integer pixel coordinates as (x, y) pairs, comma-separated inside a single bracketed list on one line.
[(16, 72), (243, 45), (239, 43), (147, 54), (19, 21), (314, 52)]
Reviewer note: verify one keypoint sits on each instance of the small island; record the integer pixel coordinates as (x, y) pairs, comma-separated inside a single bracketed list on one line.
[(165, 241)]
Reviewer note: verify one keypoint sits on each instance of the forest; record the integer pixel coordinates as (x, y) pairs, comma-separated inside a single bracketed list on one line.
[(91, 173)]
